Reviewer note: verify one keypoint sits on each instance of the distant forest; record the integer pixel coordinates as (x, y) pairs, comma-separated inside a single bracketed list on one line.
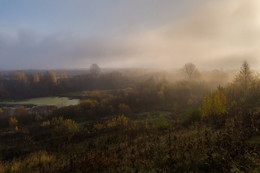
[(28, 84)]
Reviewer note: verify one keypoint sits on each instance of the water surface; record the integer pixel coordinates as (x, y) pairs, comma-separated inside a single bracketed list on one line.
[(45, 101)]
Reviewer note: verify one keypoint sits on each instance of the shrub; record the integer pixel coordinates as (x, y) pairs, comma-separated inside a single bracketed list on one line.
[(37, 117), (46, 123), (191, 116), (124, 109), (13, 122), (88, 104), (88, 107), (32, 163), (158, 122), (64, 126), (120, 121), (98, 126), (161, 122)]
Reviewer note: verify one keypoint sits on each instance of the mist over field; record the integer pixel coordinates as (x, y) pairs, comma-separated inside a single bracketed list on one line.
[(129, 86)]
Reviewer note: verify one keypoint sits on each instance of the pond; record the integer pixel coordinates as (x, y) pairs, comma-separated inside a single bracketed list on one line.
[(45, 101)]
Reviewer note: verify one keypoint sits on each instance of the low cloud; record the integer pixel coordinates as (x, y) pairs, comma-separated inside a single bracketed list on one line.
[(223, 33), (27, 50), (220, 34)]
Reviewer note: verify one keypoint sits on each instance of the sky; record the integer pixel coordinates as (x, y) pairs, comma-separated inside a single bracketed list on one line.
[(69, 34)]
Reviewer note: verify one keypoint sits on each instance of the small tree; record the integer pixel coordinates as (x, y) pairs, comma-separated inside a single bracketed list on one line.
[(245, 91), (95, 69), (190, 70)]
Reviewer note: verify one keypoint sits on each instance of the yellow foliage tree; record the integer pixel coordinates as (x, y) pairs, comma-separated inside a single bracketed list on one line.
[(52, 77), (214, 104), (36, 78)]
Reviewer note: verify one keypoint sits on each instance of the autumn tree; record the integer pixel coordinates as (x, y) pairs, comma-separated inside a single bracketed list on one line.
[(190, 70), (20, 76), (52, 77), (214, 104), (36, 78)]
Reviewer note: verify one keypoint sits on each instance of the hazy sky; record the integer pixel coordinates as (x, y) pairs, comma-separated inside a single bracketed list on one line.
[(39, 34)]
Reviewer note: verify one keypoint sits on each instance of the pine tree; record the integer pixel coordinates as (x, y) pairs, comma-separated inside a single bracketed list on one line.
[(245, 78)]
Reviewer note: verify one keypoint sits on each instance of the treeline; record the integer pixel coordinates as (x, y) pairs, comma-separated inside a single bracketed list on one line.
[(240, 97), (25, 85), (22, 84)]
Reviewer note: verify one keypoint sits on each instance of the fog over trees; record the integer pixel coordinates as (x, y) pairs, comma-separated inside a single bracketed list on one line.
[(130, 86), (190, 71)]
